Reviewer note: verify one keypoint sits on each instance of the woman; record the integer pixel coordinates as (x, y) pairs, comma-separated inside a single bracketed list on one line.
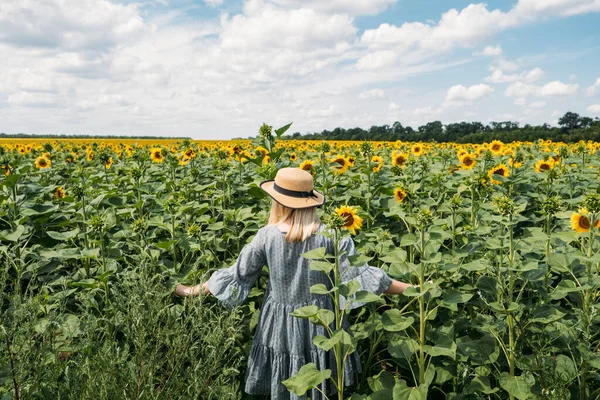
[(283, 343)]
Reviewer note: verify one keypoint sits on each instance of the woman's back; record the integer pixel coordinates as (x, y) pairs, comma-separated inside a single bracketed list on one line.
[(290, 276)]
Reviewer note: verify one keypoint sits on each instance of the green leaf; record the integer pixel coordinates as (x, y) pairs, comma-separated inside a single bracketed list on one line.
[(319, 288), (326, 343), (546, 314), (566, 367), (481, 384), (487, 284), (164, 245), (518, 386), (315, 254), (283, 129), (322, 266), (559, 262), (403, 347), (63, 236), (408, 240), (349, 288), (13, 236), (393, 321), (364, 296), (404, 392), (452, 296), (305, 312), (324, 317), (307, 378)]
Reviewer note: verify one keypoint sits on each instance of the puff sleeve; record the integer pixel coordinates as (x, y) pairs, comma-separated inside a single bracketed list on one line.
[(232, 285), (371, 279)]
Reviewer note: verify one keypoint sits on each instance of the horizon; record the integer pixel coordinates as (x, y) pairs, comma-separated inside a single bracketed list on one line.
[(217, 69)]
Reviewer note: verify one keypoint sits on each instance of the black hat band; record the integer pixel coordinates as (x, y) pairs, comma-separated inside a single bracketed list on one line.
[(294, 193)]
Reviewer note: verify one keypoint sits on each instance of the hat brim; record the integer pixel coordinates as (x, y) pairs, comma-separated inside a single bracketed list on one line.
[(296, 203)]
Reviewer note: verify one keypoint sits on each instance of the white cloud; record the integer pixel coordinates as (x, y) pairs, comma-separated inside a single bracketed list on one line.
[(521, 101), (498, 76), (118, 66), (506, 65), (373, 94), (595, 108), (459, 95), (349, 7), (551, 89), (491, 51), (72, 25), (592, 89), (213, 3), (467, 28), (537, 104), (543, 8)]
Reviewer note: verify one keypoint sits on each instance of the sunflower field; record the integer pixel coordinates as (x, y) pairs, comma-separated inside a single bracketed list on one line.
[(502, 239)]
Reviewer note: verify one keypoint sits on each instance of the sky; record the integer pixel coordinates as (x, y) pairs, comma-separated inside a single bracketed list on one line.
[(218, 69)]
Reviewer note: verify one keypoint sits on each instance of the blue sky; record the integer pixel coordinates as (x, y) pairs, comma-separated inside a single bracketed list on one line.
[(217, 69)]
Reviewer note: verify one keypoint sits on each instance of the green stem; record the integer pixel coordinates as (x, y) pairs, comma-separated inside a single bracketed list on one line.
[(422, 325)]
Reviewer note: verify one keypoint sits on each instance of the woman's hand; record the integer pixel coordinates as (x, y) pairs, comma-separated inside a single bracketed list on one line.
[(186, 291)]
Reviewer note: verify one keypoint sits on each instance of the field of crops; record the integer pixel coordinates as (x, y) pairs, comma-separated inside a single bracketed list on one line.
[(95, 234)]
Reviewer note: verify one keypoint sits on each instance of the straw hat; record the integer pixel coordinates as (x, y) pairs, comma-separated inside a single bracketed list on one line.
[(293, 188)]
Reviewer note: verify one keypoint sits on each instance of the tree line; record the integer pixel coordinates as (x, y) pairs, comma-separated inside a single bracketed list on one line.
[(571, 128)]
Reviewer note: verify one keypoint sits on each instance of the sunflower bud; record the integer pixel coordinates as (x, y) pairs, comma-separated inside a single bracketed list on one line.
[(505, 205), (193, 230), (78, 192), (366, 148), (551, 205), (456, 202), (425, 217), (396, 170), (97, 223), (265, 131), (592, 202), (325, 147), (139, 225)]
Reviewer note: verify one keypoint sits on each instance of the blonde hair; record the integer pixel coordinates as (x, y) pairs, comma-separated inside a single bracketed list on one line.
[(303, 222)]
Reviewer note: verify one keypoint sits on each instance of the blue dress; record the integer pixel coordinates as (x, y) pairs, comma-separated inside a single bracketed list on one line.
[(283, 343)]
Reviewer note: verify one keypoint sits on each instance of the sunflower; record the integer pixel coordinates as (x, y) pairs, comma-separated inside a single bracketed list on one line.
[(496, 147), (467, 161), (5, 169), (499, 170), (59, 193), (108, 163), (22, 150), (342, 164), (156, 155), (580, 222), (293, 157), (378, 161), (261, 150), (351, 218), (190, 153), (399, 194), (307, 165), (183, 159), (266, 159), (544, 165), (42, 162), (417, 149), (398, 159), (351, 160), (70, 158), (514, 164), (90, 156)]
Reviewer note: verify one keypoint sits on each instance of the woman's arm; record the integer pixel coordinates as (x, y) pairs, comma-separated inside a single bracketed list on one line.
[(184, 291), (397, 287)]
